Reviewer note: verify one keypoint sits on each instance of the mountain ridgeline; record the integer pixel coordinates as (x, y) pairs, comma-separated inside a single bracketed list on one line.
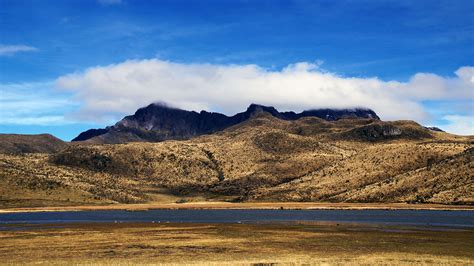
[(158, 122), (258, 155)]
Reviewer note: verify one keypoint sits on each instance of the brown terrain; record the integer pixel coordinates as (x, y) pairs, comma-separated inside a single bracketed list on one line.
[(233, 244), (263, 162), (19, 144), (263, 159)]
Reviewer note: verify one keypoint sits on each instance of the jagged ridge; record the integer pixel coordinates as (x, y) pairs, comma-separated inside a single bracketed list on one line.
[(158, 122)]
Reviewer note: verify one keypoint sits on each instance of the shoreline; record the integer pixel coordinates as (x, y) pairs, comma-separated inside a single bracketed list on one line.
[(244, 205)]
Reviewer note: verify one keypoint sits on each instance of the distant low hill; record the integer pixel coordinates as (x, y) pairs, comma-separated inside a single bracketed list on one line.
[(42, 143), (158, 122)]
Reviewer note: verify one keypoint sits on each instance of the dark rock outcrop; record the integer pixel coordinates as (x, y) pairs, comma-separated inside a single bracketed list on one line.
[(90, 134), (158, 122), (437, 129), (386, 131)]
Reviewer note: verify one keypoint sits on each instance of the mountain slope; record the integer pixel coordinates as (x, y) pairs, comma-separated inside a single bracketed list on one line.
[(17, 144), (373, 174), (158, 122), (264, 158), (447, 180)]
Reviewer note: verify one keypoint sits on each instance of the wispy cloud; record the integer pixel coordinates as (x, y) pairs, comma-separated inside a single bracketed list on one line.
[(46, 120), (33, 104), (110, 2), (13, 49), (463, 125)]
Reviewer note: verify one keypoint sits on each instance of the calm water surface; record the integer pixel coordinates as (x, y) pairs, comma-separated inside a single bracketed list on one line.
[(392, 217)]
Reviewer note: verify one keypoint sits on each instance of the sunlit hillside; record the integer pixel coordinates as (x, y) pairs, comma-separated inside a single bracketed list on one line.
[(261, 159)]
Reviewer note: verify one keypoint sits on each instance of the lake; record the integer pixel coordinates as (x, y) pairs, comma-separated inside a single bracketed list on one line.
[(386, 217)]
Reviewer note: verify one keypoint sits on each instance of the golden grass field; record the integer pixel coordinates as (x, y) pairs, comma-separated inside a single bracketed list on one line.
[(233, 244)]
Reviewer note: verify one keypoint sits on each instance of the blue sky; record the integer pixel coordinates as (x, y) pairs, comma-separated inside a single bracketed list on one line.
[(63, 63)]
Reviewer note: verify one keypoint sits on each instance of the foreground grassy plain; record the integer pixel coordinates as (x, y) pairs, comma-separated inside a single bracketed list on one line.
[(311, 243)]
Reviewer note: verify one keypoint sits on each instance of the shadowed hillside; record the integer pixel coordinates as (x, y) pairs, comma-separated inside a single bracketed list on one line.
[(158, 122), (17, 144)]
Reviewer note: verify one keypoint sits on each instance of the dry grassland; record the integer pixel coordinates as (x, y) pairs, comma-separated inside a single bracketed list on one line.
[(263, 159), (139, 243)]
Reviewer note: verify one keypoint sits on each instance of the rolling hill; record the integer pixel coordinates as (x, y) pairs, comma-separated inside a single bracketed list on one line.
[(19, 144), (263, 158)]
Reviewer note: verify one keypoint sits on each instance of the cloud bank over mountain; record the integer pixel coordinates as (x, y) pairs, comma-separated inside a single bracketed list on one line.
[(121, 88)]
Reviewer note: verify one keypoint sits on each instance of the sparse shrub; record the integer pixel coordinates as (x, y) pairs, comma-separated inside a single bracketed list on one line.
[(182, 200)]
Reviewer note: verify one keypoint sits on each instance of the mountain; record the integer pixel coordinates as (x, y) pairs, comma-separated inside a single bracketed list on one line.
[(158, 122), (42, 143), (435, 129), (263, 158)]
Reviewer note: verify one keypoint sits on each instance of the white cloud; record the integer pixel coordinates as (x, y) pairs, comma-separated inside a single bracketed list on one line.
[(122, 88), (462, 125), (13, 49), (427, 86)]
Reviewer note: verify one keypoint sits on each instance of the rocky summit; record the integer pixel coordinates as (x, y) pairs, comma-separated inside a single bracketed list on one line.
[(158, 122)]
